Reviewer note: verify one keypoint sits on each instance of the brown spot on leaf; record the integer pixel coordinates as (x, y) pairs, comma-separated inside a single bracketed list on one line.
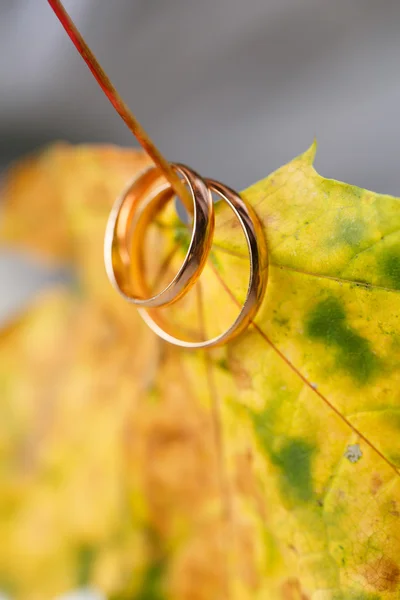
[(247, 482), (292, 590), (383, 574), (394, 509), (233, 223), (376, 483), (241, 376)]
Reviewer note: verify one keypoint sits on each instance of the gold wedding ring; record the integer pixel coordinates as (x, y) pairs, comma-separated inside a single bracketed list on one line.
[(137, 206), (130, 217)]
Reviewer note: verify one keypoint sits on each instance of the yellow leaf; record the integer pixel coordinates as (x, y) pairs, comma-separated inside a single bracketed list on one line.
[(267, 469)]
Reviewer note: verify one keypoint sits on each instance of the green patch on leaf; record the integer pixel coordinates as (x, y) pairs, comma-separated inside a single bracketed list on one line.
[(182, 237), (85, 559), (222, 363), (390, 265), (7, 585), (152, 584), (395, 459), (293, 457), (294, 460), (327, 323)]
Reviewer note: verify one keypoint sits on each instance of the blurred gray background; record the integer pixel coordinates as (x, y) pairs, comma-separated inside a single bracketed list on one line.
[(234, 88)]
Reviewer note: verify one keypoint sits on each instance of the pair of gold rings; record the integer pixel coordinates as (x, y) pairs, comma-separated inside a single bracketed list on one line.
[(131, 215)]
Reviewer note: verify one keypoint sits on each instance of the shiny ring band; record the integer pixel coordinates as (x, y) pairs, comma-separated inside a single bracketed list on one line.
[(258, 256), (147, 195)]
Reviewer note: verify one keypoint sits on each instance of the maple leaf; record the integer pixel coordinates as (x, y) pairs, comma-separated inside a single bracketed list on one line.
[(268, 468)]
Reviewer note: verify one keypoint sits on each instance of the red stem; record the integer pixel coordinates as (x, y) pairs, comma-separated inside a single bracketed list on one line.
[(119, 105)]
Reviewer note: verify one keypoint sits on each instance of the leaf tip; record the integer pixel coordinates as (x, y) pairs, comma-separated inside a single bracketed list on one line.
[(309, 155)]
